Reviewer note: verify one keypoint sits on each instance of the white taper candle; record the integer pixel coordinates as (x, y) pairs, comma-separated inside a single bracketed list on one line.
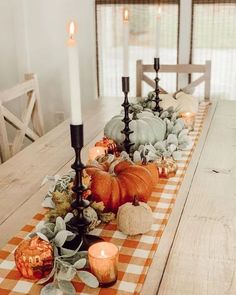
[(158, 32), (125, 43), (75, 99)]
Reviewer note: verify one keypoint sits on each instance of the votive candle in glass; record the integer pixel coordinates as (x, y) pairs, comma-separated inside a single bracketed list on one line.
[(103, 261), (189, 120), (96, 151)]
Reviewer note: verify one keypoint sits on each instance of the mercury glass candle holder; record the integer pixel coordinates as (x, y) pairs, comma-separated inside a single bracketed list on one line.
[(103, 261)]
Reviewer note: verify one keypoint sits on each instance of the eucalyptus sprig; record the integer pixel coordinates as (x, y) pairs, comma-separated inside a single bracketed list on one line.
[(69, 264)]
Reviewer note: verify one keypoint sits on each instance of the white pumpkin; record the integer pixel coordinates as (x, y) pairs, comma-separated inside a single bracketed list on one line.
[(186, 103), (183, 103), (146, 126), (134, 218), (168, 101)]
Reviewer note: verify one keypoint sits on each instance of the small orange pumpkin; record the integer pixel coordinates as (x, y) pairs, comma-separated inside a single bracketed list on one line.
[(34, 258), (119, 185)]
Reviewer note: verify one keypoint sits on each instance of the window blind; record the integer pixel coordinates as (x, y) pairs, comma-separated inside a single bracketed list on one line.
[(142, 41), (214, 38)]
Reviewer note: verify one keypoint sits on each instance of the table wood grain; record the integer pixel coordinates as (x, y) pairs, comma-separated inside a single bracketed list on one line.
[(197, 252)]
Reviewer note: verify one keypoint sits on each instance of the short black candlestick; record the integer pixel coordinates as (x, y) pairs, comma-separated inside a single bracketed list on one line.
[(126, 131), (157, 98), (79, 223)]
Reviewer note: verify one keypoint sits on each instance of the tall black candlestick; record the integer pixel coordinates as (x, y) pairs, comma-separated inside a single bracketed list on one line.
[(79, 223), (126, 131), (157, 98)]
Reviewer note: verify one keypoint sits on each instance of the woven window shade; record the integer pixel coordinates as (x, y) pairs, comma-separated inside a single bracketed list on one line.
[(214, 38), (141, 44)]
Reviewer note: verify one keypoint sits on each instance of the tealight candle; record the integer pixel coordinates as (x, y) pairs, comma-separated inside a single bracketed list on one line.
[(103, 261), (189, 120), (96, 151)]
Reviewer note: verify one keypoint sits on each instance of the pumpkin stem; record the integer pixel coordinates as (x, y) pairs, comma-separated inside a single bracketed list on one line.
[(135, 117), (144, 161), (135, 201)]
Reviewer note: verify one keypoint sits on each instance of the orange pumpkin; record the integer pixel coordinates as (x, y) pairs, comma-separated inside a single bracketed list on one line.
[(119, 186), (151, 167), (34, 258)]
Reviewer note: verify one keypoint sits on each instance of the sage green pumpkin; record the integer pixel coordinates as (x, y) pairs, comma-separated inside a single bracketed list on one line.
[(146, 126)]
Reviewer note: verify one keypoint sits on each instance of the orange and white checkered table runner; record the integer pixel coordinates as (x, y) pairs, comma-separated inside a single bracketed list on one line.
[(136, 253)]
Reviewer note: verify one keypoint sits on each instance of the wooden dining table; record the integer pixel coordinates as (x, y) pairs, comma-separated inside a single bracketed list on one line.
[(197, 251)]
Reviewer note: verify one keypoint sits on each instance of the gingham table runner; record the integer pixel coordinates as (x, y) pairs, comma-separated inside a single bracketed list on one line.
[(136, 253)]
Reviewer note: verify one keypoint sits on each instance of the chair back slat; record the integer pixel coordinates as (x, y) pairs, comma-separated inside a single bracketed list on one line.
[(31, 113), (141, 69)]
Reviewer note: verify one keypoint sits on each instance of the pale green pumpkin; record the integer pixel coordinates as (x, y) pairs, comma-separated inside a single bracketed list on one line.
[(147, 128)]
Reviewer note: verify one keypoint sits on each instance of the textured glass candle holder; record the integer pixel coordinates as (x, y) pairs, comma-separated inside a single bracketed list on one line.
[(189, 120), (103, 261)]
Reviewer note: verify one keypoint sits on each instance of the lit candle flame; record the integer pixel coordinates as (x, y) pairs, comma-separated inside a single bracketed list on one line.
[(72, 29), (126, 14), (188, 114), (103, 253), (159, 10)]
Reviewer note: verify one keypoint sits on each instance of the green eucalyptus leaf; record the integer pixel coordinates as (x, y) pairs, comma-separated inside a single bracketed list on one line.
[(40, 225), (67, 252), (66, 287), (48, 203), (88, 278), (60, 224), (183, 139), (71, 237), (47, 232), (183, 132), (79, 264), (68, 217), (171, 148), (164, 115), (67, 274), (160, 146), (50, 289), (63, 264), (172, 139), (55, 251), (50, 225), (42, 236), (137, 157), (177, 155), (61, 237), (31, 235)]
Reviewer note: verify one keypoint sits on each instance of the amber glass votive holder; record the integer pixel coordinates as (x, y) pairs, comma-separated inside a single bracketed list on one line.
[(96, 151), (103, 262), (189, 120)]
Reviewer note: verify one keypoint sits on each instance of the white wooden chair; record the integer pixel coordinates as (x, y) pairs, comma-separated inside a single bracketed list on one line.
[(31, 113), (205, 69)]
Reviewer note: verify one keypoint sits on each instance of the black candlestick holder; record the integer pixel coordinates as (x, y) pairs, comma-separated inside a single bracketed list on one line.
[(157, 98), (79, 223), (126, 131)]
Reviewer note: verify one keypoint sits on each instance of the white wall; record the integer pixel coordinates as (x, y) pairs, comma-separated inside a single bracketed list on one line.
[(8, 64), (40, 37)]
